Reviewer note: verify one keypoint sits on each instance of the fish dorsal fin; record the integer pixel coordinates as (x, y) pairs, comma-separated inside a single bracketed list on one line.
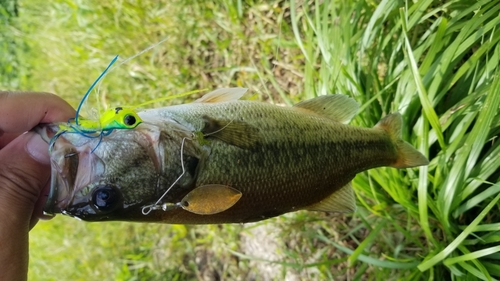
[(341, 201), (210, 199), (223, 94), (340, 108), (232, 132)]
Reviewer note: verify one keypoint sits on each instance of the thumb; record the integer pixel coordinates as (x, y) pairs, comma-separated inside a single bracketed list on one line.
[(24, 172)]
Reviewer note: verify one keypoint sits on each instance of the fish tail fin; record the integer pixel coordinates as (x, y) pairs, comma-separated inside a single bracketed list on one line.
[(408, 156)]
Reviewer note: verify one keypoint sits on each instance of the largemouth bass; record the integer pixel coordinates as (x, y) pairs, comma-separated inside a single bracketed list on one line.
[(223, 160)]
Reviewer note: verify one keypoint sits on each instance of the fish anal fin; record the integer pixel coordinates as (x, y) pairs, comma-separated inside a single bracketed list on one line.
[(340, 201), (340, 108), (232, 132), (408, 156), (223, 94), (210, 199)]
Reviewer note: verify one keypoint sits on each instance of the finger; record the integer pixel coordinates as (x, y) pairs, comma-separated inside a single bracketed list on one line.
[(24, 110), (6, 138), (40, 203), (22, 175)]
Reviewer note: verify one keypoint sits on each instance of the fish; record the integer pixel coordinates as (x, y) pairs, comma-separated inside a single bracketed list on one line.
[(221, 159)]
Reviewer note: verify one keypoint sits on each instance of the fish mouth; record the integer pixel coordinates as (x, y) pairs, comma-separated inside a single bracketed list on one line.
[(73, 167)]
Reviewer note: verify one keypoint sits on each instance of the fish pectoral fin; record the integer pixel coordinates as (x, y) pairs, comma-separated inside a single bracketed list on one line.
[(232, 132), (210, 199), (341, 201), (223, 94), (340, 108)]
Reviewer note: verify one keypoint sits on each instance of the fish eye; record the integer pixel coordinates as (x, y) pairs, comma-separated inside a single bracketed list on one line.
[(129, 120), (106, 197)]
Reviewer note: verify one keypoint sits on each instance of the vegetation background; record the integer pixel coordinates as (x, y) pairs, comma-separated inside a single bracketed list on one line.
[(434, 61)]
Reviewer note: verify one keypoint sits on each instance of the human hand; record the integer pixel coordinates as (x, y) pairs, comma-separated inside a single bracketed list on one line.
[(24, 172)]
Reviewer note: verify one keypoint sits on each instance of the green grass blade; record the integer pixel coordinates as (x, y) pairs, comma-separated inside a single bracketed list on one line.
[(422, 92), (460, 238), (366, 243), (472, 256), (370, 260), (296, 32)]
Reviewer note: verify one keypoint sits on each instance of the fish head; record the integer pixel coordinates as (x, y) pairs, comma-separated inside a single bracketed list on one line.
[(98, 178)]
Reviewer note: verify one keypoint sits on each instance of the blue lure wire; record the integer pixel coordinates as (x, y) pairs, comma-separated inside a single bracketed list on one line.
[(76, 126), (92, 87)]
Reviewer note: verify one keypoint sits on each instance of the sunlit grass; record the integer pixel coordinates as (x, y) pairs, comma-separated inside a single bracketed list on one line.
[(436, 63)]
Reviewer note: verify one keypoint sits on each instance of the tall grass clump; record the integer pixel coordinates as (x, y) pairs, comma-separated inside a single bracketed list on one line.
[(434, 62)]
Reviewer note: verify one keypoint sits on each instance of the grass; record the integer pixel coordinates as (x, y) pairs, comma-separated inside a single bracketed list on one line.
[(435, 62)]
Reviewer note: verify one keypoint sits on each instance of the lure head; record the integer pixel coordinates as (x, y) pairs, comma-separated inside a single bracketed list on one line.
[(119, 118)]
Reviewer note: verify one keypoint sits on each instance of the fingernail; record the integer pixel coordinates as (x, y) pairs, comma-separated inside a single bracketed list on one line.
[(38, 149)]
